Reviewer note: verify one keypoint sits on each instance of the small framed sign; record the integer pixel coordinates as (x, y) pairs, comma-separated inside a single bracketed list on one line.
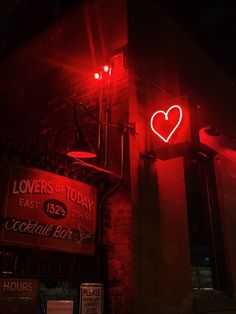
[(59, 307), (91, 298)]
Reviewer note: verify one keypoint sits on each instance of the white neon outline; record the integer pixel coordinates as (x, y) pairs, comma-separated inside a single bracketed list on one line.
[(166, 117)]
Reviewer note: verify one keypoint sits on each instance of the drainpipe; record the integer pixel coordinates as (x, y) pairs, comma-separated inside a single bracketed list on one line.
[(104, 198), (107, 112)]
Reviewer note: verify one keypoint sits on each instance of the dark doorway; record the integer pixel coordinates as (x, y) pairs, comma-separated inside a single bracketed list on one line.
[(205, 233)]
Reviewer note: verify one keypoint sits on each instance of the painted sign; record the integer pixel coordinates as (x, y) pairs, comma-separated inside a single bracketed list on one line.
[(165, 123), (91, 298), (44, 210), (59, 307), (18, 295)]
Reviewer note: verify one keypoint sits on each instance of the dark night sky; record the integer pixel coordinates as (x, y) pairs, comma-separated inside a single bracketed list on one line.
[(20, 20), (211, 22)]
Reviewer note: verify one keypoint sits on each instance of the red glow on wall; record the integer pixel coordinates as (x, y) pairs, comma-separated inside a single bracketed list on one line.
[(165, 123)]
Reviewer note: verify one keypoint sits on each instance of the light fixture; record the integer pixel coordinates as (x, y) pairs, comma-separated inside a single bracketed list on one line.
[(106, 68), (80, 148), (212, 131), (97, 76)]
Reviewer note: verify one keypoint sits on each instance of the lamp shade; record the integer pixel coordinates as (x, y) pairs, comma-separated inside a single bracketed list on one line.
[(81, 149)]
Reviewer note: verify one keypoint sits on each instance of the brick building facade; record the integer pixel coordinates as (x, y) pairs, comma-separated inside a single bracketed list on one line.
[(146, 255)]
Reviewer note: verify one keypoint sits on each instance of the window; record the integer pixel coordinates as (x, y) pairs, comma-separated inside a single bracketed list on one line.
[(205, 234)]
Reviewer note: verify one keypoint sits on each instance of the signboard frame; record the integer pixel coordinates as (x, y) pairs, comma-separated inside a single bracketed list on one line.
[(60, 306), (91, 298), (43, 210), (18, 294)]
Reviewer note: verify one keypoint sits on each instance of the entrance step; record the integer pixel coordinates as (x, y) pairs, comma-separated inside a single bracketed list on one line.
[(213, 302)]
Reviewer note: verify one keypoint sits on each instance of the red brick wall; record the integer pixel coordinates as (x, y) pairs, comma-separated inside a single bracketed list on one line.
[(42, 80), (143, 226), (162, 268), (117, 209), (39, 85), (175, 283), (117, 224)]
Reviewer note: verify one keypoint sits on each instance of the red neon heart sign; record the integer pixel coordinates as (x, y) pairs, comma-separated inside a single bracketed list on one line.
[(169, 120)]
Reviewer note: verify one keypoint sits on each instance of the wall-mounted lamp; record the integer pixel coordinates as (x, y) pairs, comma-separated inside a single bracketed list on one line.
[(80, 148), (106, 70), (212, 131), (97, 76)]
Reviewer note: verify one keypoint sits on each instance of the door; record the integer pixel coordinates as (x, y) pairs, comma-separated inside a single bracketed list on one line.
[(205, 233)]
